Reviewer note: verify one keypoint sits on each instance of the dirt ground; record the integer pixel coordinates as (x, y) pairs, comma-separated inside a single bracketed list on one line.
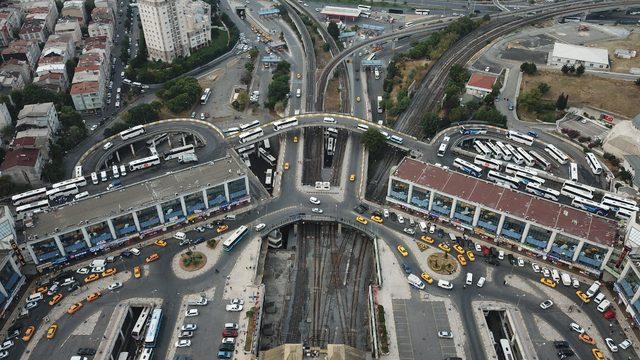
[(614, 95), (332, 96), (406, 68), (631, 43), (322, 57)]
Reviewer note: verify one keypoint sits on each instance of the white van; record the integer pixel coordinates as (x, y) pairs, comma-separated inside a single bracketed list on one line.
[(423, 226), (481, 281), (329, 120), (415, 281), (180, 235), (599, 298), (469, 280), (452, 237), (555, 275), (566, 279), (94, 178), (114, 170), (35, 297), (103, 176), (432, 229), (230, 217), (593, 289), (123, 170), (604, 305), (298, 93), (98, 263)]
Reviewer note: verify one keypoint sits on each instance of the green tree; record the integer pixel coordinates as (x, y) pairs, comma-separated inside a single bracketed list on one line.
[(543, 88), (374, 141), (565, 69), (8, 187), (429, 124), (459, 75), (560, 103), (333, 30), (529, 68), (580, 70), (143, 114), (70, 66), (180, 94)]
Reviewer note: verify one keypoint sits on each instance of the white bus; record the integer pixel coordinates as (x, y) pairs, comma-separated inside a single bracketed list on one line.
[(542, 162), (556, 154), (467, 167), (250, 135), (573, 190), (594, 164), (506, 154), (362, 127), (590, 206), (496, 153), (422, 11), (527, 178), (481, 148), (77, 172), (81, 195), (267, 157), (138, 329), (132, 132), (268, 177), (153, 330), (503, 179), (364, 7), (528, 159), (33, 207), (487, 162), (144, 163), (396, 139), (632, 205), (250, 125), (246, 149), (283, 124), (521, 138), (379, 104), (624, 214), (513, 168), (59, 192), (506, 349), (205, 96), (176, 152), (543, 192), (236, 236), (442, 149), (146, 354), (617, 205), (516, 157), (29, 196), (573, 171), (266, 144), (79, 182), (231, 131)]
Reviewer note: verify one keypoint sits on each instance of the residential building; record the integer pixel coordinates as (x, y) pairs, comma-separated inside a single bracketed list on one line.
[(568, 54), (102, 23), (17, 68), (52, 81), (38, 116), (43, 7), (99, 45), (171, 27), (52, 65), (71, 26), (87, 95), (23, 166), (480, 85), (37, 138), (34, 29), (23, 50), (89, 80), (10, 82), (10, 21), (76, 9), (5, 116)]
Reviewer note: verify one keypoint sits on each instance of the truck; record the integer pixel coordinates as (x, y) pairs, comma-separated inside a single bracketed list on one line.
[(566, 279), (187, 158)]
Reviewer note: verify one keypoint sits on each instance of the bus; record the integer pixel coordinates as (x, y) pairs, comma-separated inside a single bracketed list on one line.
[(29, 196), (519, 137), (506, 349), (511, 182), (512, 169), (146, 354), (206, 94), (132, 132), (617, 205), (594, 164), (544, 192), (138, 328), (467, 167), (267, 157), (250, 125), (362, 127), (624, 214), (250, 135), (231, 131), (236, 236), (364, 7), (442, 149), (246, 149), (542, 162), (78, 181), (176, 152), (153, 330), (527, 178), (472, 131), (379, 104), (77, 171), (283, 124), (628, 204), (573, 171), (396, 139), (496, 153), (331, 145), (515, 155), (506, 154), (573, 190), (81, 195), (331, 131), (422, 11), (268, 177), (487, 162), (556, 154), (144, 163), (481, 148), (528, 159), (158, 139), (59, 192), (590, 206), (266, 144), (37, 206)]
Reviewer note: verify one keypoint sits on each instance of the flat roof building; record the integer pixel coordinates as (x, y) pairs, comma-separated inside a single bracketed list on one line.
[(480, 85), (545, 228), (130, 213), (341, 13), (568, 54)]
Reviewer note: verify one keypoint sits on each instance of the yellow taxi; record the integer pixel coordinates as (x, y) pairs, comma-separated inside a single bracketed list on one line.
[(352, 177), (222, 228), (597, 354), (549, 282), (357, 98), (586, 338), (73, 308), (41, 290), (295, 139), (444, 247), (471, 255), (462, 260), (28, 333), (286, 166), (426, 239), (55, 299), (161, 243), (137, 272), (402, 250), (51, 332), (377, 219), (426, 278), (459, 249), (94, 296), (152, 257), (361, 220), (585, 299), (109, 272), (90, 278), (299, 75)]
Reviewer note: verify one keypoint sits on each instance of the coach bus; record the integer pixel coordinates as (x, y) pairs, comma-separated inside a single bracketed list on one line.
[(527, 178), (542, 162), (487, 162), (467, 167), (442, 149), (617, 205), (77, 171), (205, 96), (283, 124), (64, 191), (472, 131), (132, 132), (544, 192), (516, 157), (627, 204), (138, 329), (521, 138), (78, 181), (422, 11), (573, 171), (496, 153), (556, 154), (503, 179), (33, 207), (506, 154), (506, 349), (144, 163), (176, 152), (153, 330), (594, 164), (590, 206), (236, 236), (481, 148), (250, 135), (573, 190), (146, 354), (249, 125), (528, 159), (29, 196)]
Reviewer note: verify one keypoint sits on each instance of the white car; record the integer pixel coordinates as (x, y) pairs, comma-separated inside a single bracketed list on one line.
[(7, 344), (237, 301), (31, 304), (135, 251), (536, 267), (577, 328), (93, 127), (229, 340), (200, 302), (189, 327), (546, 272), (401, 219), (4, 354), (314, 200), (501, 255), (183, 343), (546, 304), (68, 281), (409, 231), (611, 345), (385, 213), (191, 312), (317, 210), (200, 229), (478, 247), (481, 281), (234, 307), (445, 334), (625, 344), (107, 146), (115, 285), (53, 289), (260, 226), (97, 269), (445, 284), (185, 334), (520, 262), (83, 271)]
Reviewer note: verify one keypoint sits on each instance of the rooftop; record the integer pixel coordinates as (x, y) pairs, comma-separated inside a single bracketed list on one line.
[(634, 162), (35, 110), (20, 157), (569, 220), (482, 81), (581, 53), (132, 197), (340, 11), (85, 87)]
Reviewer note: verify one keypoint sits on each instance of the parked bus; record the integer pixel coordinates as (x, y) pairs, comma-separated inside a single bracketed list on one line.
[(132, 132), (236, 236), (506, 154), (205, 96), (472, 131), (594, 164), (496, 153), (283, 124), (542, 162), (503, 179), (78, 181), (515, 155), (590, 206), (527, 178), (467, 167), (153, 330), (268, 177), (422, 11), (624, 214), (487, 162), (513, 169), (556, 154), (630, 204), (77, 171), (249, 125), (246, 149), (544, 192), (481, 148), (573, 190), (617, 205), (442, 149), (250, 135), (573, 171), (379, 104), (144, 163), (81, 195), (33, 207), (138, 329), (266, 144), (146, 354), (521, 138), (29, 196), (364, 7), (267, 157), (231, 131), (64, 191), (176, 152), (396, 139), (158, 139), (528, 159)]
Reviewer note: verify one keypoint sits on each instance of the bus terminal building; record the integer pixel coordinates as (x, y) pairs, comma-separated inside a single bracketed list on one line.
[(109, 219), (545, 228)]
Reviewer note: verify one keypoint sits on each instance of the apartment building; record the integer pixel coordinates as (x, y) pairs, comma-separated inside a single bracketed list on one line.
[(89, 81), (101, 23), (10, 21), (23, 50), (70, 26)]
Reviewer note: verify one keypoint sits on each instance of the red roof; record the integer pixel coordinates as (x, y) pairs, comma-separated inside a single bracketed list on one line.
[(20, 157), (553, 215), (24, 141), (482, 81), (85, 87)]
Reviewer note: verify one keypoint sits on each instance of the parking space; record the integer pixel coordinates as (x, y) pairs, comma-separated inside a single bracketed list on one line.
[(586, 127), (403, 334), (441, 320)]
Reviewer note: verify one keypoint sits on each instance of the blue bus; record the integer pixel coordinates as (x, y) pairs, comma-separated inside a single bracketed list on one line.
[(467, 167), (153, 330), (465, 131), (236, 236)]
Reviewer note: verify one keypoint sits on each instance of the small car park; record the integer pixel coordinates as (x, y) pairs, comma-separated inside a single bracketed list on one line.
[(189, 327), (183, 343), (582, 296)]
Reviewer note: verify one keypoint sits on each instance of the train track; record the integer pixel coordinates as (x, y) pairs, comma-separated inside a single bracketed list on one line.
[(338, 156), (312, 165), (355, 294)]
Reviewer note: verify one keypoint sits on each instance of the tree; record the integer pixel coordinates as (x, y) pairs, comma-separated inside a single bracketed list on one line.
[(543, 88), (180, 94), (333, 30), (70, 66), (459, 75), (430, 124), (529, 68), (580, 70), (572, 69), (124, 49), (374, 141), (565, 69), (561, 103), (143, 114), (637, 81)]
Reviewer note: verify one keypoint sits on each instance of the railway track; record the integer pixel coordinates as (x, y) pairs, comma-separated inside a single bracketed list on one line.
[(356, 287), (312, 165), (336, 165)]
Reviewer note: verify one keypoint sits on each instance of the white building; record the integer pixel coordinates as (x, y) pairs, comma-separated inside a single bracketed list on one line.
[(38, 116), (567, 54), (172, 28), (5, 117)]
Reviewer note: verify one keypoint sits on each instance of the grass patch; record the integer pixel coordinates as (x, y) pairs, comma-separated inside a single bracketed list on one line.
[(332, 98), (382, 331), (192, 260)]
